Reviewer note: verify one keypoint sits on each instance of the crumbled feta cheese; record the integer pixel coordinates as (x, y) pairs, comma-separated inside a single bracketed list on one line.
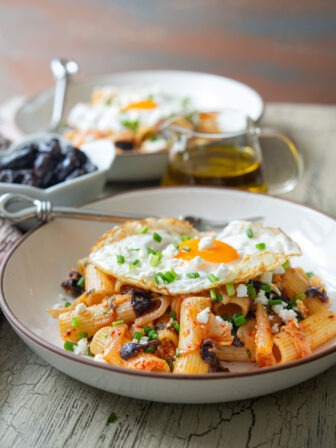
[(170, 251), (196, 261), (266, 277), (80, 308), (241, 291), (82, 347), (61, 296), (222, 321), (286, 315), (261, 298), (221, 271), (270, 317), (58, 306), (279, 270), (203, 316), (205, 242), (275, 328)]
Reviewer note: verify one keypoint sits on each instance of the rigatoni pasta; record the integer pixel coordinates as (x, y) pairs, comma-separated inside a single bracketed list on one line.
[(143, 309)]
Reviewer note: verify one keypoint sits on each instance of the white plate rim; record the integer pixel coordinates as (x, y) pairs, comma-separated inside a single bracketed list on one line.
[(18, 325)]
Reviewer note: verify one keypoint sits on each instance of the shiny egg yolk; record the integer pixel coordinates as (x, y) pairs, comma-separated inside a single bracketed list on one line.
[(219, 252), (143, 104)]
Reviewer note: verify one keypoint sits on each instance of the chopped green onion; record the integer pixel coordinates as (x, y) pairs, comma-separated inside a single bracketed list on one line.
[(286, 265), (82, 335), (81, 283), (90, 353), (177, 353), (213, 294), (186, 238), (154, 138), (137, 335), (147, 330), (151, 251), (266, 288), (106, 311), (75, 322), (299, 296), (239, 319), (251, 291), (176, 245), (120, 259), (212, 278), (144, 229), (154, 260), (157, 237), (158, 279), (249, 233), (108, 102), (226, 317), (170, 364), (70, 346), (193, 275), (106, 335), (261, 246), (170, 276), (133, 264), (149, 349), (172, 314), (112, 417), (230, 289), (67, 304), (133, 125), (310, 274), (153, 334), (249, 354), (186, 101), (117, 322), (186, 248), (134, 249), (273, 302), (176, 326)]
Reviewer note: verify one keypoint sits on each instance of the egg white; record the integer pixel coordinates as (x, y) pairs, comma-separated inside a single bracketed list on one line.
[(131, 247)]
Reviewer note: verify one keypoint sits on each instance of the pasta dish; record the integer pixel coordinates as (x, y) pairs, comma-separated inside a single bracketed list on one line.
[(158, 295)]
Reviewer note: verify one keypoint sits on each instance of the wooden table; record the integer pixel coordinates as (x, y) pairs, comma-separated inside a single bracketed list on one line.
[(41, 407)]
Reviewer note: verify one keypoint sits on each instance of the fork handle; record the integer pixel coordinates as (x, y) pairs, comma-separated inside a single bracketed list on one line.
[(44, 211)]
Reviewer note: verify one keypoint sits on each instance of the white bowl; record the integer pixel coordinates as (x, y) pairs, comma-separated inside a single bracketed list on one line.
[(34, 269), (75, 191), (205, 90)]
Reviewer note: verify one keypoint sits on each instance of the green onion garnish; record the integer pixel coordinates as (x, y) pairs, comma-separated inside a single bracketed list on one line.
[(120, 259), (170, 364), (249, 354), (82, 335), (151, 251), (239, 319), (112, 417), (266, 288), (193, 275), (70, 346), (143, 229), (133, 125), (172, 314), (158, 279), (230, 289), (261, 246), (152, 334), (117, 322), (154, 260), (147, 330), (273, 302), (186, 248), (75, 322), (251, 291), (106, 312), (177, 353), (137, 335), (157, 237), (154, 138), (212, 278), (176, 326), (176, 245), (133, 264), (286, 265), (226, 317), (149, 349), (299, 296), (81, 283), (310, 274), (249, 233), (67, 304), (90, 353), (186, 238), (213, 294), (167, 277)]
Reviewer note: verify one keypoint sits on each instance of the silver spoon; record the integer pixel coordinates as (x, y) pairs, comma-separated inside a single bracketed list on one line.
[(44, 211)]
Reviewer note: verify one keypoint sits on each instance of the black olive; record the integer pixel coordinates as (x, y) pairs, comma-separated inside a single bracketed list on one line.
[(70, 284), (208, 354), (141, 301), (129, 350), (313, 291), (45, 170), (23, 158), (124, 145)]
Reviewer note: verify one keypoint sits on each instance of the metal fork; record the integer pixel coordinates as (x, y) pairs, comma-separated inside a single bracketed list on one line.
[(12, 207)]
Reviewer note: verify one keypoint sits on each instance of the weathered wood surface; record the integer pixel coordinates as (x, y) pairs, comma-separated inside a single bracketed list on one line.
[(41, 407), (285, 50)]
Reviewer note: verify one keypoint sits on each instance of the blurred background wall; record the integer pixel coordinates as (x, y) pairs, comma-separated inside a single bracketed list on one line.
[(285, 49)]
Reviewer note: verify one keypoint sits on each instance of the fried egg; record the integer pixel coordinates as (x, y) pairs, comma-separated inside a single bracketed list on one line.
[(169, 256)]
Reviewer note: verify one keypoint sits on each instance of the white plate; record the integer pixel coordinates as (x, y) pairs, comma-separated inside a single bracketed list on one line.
[(206, 91), (30, 282)]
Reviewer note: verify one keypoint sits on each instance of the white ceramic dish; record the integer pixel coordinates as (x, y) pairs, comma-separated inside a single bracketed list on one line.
[(30, 284), (205, 90), (76, 191)]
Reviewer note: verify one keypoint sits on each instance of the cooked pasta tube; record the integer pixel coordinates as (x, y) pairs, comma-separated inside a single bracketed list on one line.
[(319, 327), (264, 342), (98, 280), (246, 333), (234, 354), (56, 312), (147, 361), (234, 305), (191, 335), (73, 325), (125, 311), (115, 340), (315, 305), (99, 341), (284, 348)]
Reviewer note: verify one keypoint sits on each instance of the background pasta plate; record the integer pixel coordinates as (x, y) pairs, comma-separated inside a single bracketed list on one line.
[(33, 271)]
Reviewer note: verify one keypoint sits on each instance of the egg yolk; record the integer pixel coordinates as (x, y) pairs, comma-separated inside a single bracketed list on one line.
[(219, 252), (144, 104)]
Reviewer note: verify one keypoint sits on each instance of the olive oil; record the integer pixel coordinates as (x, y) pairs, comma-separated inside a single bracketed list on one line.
[(216, 165)]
